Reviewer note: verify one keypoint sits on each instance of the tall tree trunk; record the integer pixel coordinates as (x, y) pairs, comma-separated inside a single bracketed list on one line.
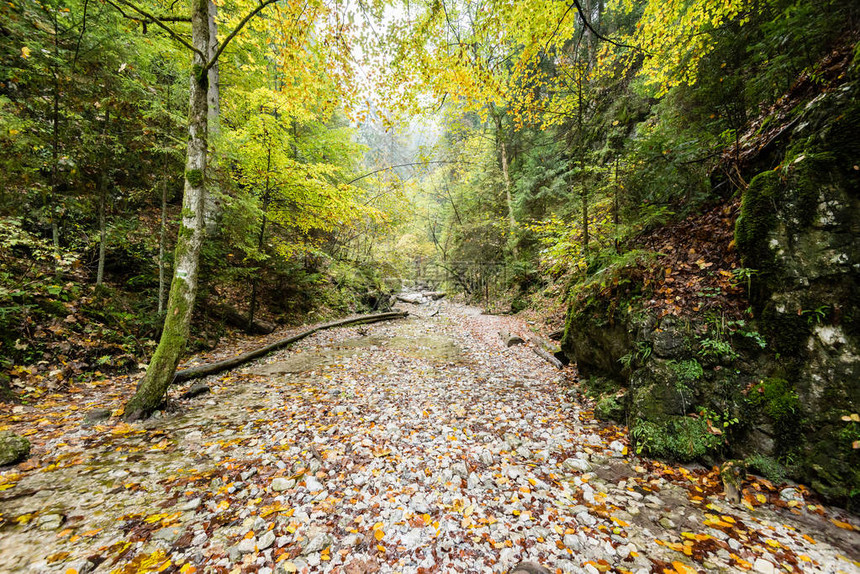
[(183, 289), (512, 221), (616, 216), (162, 243), (252, 308), (103, 189), (100, 273), (213, 97), (584, 201), (584, 189), (162, 237), (55, 135)]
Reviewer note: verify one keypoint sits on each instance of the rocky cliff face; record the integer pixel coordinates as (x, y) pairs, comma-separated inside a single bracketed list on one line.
[(800, 229), (779, 389)]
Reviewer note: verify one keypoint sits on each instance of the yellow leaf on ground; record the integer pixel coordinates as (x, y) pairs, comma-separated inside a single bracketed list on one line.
[(682, 568), (841, 524), (379, 534)]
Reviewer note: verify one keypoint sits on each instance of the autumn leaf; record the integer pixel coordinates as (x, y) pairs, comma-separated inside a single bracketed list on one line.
[(843, 525)]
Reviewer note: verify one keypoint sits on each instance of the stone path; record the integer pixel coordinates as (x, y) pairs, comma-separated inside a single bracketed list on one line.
[(422, 445)]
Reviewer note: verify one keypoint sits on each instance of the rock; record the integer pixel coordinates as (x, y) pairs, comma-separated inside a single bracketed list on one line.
[(616, 446), (82, 566), (96, 415), (50, 521), (764, 566), (13, 448), (529, 568), (169, 534), (317, 543), (578, 464), (513, 441), (192, 504), (352, 540), (667, 523), (246, 545), (668, 344), (195, 390), (459, 468), (199, 540), (313, 485), (573, 542), (473, 481), (789, 494), (419, 504), (486, 457), (524, 452), (282, 484), (412, 539), (266, 540)]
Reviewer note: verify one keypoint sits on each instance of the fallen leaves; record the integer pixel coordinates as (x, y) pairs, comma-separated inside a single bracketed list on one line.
[(388, 444)]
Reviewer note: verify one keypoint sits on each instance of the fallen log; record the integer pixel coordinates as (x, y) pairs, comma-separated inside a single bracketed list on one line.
[(434, 295), (510, 339), (411, 298), (542, 343), (548, 358), (226, 364)]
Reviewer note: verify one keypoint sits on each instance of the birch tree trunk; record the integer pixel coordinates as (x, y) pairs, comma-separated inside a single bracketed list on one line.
[(213, 114), (183, 288), (162, 244)]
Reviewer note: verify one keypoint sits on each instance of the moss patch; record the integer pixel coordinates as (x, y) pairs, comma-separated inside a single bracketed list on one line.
[(194, 177)]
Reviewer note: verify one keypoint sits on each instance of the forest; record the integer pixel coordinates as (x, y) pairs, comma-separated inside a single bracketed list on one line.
[(258, 255)]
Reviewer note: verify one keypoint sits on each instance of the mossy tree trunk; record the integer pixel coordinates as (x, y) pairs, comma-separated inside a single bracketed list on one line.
[(183, 289)]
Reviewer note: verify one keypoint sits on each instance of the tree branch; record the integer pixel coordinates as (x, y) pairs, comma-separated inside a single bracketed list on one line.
[(598, 34), (412, 164), (154, 20), (236, 30)]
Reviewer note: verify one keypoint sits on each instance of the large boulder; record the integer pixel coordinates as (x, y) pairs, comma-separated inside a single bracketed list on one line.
[(13, 448)]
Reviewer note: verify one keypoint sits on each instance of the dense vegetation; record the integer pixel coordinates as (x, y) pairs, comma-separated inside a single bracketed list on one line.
[(593, 162)]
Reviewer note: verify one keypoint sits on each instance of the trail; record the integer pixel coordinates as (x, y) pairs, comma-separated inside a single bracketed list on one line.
[(422, 445)]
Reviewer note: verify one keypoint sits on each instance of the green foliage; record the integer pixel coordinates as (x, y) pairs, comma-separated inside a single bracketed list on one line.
[(637, 357), (778, 400), (687, 371), (717, 349), (608, 408), (676, 438)]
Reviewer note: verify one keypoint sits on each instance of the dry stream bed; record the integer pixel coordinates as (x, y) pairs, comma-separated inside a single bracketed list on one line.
[(419, 445)]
